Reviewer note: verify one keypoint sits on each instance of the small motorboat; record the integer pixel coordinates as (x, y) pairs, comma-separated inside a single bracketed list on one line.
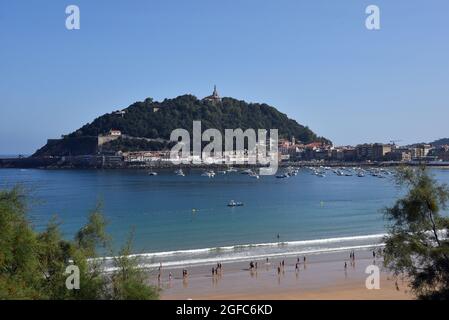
[(180, 173), (247, 171), (232, 203), (209, 174), (152, 173), (282, 176), (254, 175)]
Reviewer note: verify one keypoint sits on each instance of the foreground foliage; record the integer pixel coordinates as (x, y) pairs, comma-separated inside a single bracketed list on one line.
[(417, 246), (33, 264)]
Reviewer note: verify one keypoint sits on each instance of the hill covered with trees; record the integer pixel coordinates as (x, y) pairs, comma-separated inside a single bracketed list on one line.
[(440, 142), (156, 120)]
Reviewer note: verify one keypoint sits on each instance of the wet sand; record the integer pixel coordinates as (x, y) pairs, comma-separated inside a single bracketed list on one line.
[(323, 276)]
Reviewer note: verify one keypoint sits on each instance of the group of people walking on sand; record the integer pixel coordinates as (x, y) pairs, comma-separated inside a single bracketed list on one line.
[(253, 265), (218, 269), (298, 263), (351, 259), (185, 274), (281, 267)]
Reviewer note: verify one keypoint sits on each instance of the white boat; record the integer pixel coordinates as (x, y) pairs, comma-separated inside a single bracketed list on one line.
[(180, 173), (152, 173), (247, 171), (292, 171), (209, 174), (254, 175), (232, 203)]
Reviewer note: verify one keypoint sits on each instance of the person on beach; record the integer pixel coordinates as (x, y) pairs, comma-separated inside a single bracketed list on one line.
[(213, 271), (251, 265), (279, 270), (346, 265), (170, 276), (304, 259), (256, 265), (297, 266), (283, 263), (374, 254)]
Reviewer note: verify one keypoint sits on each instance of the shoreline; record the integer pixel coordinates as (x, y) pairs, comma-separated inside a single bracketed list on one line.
[(99, 162), (322, 276), (241, 253)]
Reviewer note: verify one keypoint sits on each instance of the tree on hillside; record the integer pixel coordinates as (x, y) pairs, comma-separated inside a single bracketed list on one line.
[(33, 265), (417, 246)]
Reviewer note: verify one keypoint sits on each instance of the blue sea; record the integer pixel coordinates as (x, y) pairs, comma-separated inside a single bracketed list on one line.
[(186, 220)]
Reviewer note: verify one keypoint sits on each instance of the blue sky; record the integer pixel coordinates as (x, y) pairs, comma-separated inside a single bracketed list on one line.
[(313, 60)]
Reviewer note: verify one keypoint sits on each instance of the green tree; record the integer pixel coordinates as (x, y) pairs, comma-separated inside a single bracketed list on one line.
[(32, 264), (417, 246), (19, 248), (128, 279)]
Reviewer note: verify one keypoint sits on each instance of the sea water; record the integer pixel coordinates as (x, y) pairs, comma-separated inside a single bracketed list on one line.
[(186, 220)]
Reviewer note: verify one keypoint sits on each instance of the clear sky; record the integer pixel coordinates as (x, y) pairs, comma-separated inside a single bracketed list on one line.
[(313, 60)]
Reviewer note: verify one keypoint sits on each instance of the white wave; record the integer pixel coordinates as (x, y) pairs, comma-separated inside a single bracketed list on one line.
[(287, 244), (212, 261)]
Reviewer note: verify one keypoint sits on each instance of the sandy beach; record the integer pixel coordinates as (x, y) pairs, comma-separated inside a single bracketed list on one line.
[(323, 276)]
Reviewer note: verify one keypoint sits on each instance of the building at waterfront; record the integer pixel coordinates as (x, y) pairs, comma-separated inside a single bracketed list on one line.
[(380, 150)]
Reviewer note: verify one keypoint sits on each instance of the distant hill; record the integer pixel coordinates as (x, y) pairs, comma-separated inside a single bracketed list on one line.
[(156, 120), (440, 142)]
